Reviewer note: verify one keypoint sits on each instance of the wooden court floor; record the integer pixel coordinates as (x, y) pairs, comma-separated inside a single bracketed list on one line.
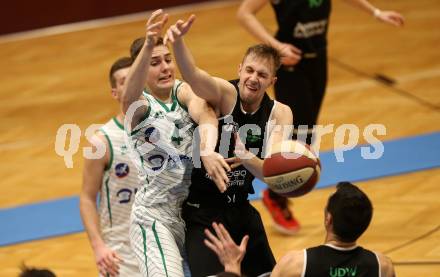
[(49, 81)]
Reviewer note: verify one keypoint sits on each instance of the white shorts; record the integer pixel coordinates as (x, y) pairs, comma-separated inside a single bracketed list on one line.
[(157, 237)]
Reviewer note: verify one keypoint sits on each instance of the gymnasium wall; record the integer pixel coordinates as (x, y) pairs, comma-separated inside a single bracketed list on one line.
[(24, 15)]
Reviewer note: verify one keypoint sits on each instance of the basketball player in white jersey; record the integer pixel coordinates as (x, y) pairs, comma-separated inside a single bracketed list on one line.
[(115, 178), (161, 126)]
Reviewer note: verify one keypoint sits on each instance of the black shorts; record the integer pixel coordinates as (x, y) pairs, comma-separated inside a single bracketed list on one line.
[(240, 220), (302, 88)]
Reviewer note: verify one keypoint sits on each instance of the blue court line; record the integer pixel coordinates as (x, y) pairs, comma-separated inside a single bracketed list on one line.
[(399, 156), (61, 216)]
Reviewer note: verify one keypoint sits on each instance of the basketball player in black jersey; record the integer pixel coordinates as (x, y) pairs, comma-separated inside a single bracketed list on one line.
[(347, 215), (245, 110), (302, 41)]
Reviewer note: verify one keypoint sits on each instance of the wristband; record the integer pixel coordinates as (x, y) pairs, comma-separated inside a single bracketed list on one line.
[(376, 13)]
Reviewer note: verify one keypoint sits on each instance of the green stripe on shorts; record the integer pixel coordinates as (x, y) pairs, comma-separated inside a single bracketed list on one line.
[(160, 248)]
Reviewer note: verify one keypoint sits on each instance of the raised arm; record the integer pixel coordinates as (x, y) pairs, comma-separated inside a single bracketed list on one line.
[(203, 114), (246, 15), (137, 76), (106, 259), (219, 93), (389, 17)]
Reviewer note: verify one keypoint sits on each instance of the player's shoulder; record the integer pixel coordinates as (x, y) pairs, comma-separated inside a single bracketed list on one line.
[(291, 264), (183, 91), (281, 107), (386, 265), (282, 112)]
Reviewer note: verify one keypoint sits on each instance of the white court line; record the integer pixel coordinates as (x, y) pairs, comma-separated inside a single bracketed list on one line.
[(110, 21), (370, 83)]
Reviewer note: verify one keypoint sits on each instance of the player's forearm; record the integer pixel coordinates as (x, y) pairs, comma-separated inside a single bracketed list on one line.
[(363, 5), (200, 81), (136, 78), (185, 61), (208, 130), (90, 219), (233, 268), (253, 164), (250, 22)]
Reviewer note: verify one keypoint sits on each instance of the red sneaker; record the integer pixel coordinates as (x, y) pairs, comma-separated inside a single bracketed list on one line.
[(282, 217)]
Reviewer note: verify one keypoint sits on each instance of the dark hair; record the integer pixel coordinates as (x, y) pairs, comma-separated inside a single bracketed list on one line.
[(120, 63), (34, 272), (266, 52), (137, 44), (227, 274), (351, 210)]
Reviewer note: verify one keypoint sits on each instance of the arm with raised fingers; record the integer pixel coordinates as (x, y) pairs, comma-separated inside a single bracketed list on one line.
[(229, 253), (137, 76), (217, 92)]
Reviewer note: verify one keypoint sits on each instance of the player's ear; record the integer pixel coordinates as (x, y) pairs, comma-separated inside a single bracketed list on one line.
[(274, 80), (239, 69), (114, 93), (328, 219)]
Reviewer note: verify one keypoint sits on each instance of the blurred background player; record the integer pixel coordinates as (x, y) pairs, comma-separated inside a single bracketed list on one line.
[(301, 40), (115, 178), (245, 109), (162, 125), (347, 216)]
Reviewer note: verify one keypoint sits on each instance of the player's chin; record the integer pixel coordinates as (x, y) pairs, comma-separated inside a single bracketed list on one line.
[(165, 84)]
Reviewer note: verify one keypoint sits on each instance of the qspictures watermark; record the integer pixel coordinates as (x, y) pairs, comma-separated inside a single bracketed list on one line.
[(346, 138)]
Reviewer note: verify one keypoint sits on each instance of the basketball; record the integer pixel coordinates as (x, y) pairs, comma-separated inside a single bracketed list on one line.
[(291, 169)]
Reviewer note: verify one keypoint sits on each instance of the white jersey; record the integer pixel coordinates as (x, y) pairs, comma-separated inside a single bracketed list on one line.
[(119, 185), (162, 150)]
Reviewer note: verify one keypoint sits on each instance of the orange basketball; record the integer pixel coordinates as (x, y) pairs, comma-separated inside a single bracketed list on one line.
[(291, 169)]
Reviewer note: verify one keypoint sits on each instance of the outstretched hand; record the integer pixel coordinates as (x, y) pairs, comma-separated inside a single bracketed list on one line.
[(229, 253), (178, 30), (391, 17), (154, 26), (216, 167)]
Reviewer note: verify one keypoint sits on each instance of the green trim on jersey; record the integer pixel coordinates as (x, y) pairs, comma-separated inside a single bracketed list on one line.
[(160, 247), (164, 105), (111, 150), (175, 90), (144, 242), (119, 124), (107, 191)]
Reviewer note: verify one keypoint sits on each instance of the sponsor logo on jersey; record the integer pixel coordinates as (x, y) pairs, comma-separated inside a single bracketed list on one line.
[(152, 134), (236, 177), (315, 3), (343, 271), (122, 170), (124, 150), (156, 161), (310, 29), (251, 138)]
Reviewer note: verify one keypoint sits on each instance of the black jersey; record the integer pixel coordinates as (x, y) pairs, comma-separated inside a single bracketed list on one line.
[(303, 23), (252, 130), (326, 260)]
